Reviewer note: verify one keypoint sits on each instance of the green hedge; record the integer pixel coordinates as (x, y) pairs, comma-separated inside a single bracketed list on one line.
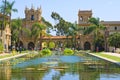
[(46, 52), (68, 51)]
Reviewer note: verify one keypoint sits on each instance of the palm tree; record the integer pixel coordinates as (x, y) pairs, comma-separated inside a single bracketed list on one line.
[(16, 29), (7, 9), (3, 10), (10, 9), (37, 31), (96, 28), (74, 33)]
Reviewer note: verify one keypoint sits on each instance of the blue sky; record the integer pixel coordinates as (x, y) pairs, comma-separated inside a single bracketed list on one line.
[(107, 10)]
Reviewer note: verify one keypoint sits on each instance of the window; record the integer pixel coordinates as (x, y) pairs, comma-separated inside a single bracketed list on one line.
[(32, 17), (115, 28), (81, 18)]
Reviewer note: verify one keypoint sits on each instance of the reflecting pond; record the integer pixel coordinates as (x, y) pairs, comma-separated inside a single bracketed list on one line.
[(83, 67)]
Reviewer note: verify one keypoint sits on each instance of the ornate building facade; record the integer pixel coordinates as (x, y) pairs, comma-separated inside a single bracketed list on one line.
[(31, 16), (5, 32), (87, 41)]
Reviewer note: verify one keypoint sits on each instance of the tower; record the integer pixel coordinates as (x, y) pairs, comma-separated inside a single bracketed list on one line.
[(32, 14), (84, 15)]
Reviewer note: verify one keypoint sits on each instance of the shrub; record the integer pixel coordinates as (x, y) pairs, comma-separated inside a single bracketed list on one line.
[(46, 52), (51, 45), (68, 51), (1, 47)]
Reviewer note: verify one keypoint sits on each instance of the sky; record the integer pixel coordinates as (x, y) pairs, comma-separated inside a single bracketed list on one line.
[(107, 10)]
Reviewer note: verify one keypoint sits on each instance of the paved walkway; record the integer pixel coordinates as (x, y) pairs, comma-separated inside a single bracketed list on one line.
[(113, 54), (15, 56), (3, 54)]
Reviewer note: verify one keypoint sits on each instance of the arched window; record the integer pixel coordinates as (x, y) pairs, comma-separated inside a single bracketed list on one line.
[(81, 18), (32, 17), (87, 46), (115, 28), (31, 46)]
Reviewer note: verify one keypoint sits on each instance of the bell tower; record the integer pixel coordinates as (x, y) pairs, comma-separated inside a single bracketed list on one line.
[(84, 15), (32, 14)]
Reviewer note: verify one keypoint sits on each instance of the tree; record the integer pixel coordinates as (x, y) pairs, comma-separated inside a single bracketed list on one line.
[(16, 29), (48, 24), (114, 40), (8, 8), (61, 25), (37, 31), (2, 10), (96, 28), (55, 16), (75, 32)]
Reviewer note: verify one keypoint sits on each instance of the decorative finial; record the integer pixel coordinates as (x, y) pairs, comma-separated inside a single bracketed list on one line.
[(32, 7), (40, 7), (26, 8)]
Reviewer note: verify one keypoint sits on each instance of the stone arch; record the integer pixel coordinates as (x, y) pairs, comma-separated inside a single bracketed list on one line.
[(87, 46), (21, 43), (44, 44), (59, 43), (51, 44), (31, 46)]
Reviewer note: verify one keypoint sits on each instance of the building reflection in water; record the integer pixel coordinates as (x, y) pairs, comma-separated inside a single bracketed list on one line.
[(5, 71)]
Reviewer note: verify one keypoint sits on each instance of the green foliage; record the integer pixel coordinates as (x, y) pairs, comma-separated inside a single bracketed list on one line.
[(61, 26), (73, 31), (114, 40), (16, 29), (9, 7), (68, 51), (96, 29), (55, 16), (99, 41), (37, 30), (51, 45), (89, 30), (94, 21), (46, 52), (1, 47), (48, 24)]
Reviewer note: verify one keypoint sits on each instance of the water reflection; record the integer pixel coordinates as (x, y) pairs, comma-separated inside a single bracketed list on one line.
[(5, 71), (68, 68)]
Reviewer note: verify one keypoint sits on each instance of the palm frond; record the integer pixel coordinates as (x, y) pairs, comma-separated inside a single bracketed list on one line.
[(89, 30)]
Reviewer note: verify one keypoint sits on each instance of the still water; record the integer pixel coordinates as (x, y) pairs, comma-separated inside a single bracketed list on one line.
[(81, 67)]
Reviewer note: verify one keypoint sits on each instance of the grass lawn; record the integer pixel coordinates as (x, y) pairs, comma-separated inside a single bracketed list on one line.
[(109, 56)]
